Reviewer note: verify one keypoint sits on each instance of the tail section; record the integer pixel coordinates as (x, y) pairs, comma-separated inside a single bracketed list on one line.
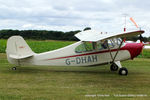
[(17, 48)]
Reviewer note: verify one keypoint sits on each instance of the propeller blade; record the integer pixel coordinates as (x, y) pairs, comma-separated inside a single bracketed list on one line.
[(141, 38)]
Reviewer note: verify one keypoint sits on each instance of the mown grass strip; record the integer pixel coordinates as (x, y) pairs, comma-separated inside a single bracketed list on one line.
[(74, 83)]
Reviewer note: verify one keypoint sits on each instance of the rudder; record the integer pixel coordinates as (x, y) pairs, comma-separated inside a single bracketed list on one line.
[(17, 48)]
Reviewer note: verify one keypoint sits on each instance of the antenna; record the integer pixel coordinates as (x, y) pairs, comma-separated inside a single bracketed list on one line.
[(125, 21)]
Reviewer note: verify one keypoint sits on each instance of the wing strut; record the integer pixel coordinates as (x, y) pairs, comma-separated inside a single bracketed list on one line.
[(110, 51), (117, 51), (113, 58)]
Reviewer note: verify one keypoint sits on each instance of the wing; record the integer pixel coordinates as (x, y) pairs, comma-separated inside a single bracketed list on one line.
[(95, 36)]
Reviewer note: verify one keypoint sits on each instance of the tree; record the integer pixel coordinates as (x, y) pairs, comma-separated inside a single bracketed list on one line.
[(87, 28)]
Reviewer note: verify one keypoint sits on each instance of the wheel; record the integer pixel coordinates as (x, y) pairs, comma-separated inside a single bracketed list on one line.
[(14, 68), (123, 71), (113, 67)]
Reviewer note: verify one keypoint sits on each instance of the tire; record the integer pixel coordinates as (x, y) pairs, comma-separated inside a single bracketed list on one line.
[(123, 71), (113, 67), (14, 68)]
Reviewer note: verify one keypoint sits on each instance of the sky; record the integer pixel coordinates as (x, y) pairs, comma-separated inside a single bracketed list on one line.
[(71, 15)]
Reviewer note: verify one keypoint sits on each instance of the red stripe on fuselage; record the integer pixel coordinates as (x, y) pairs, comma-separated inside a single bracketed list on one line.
[(87, 54)]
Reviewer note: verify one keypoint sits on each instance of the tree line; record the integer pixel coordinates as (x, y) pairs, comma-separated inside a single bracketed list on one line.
[(40, 34), (51, 35)]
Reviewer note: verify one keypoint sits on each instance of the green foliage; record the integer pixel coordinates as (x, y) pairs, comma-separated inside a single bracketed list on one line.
[(2, 46), (145, 53), (87, 28), (39, 34), (43, 46), (39, 46)]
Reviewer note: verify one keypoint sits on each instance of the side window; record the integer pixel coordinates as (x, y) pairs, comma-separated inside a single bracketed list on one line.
[(91, 46), (99, 46), (110, 44), (103, 44), (80, 48), (119, 41), (116, 41), (84, 47), (88, 46)]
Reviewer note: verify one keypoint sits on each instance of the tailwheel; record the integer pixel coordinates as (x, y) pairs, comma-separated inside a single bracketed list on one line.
[(14, 68), (123, 71), (113, 67)]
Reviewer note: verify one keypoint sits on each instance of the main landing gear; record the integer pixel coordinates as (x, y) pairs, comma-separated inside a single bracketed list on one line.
[(122, 70), (113, 67), (13, 68)]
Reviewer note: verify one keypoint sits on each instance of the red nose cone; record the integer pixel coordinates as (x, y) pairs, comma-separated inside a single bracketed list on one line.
[(134, 48)]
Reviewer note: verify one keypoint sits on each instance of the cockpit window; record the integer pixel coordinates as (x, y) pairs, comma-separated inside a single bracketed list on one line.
[(104, 44), (98, 46), (80, 48), (110, 44), (85, 47), (116, 41), (119, 41)]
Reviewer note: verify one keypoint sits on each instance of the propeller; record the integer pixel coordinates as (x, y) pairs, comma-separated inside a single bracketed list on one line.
[(140, 37)]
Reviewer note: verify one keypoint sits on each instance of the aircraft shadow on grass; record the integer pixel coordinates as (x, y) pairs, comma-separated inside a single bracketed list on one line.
[(102, 71)]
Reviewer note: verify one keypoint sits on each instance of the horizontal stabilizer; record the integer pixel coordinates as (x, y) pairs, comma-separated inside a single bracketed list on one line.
[(20, 57)]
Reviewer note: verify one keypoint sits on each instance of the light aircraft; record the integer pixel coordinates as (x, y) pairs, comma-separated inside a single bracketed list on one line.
[(94, 48)]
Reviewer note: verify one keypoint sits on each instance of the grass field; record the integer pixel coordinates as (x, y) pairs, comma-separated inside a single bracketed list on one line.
[(39, 46), (75, 83)]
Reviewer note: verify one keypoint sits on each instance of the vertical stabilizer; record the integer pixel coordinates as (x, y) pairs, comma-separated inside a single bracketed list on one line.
[(17, 48)]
